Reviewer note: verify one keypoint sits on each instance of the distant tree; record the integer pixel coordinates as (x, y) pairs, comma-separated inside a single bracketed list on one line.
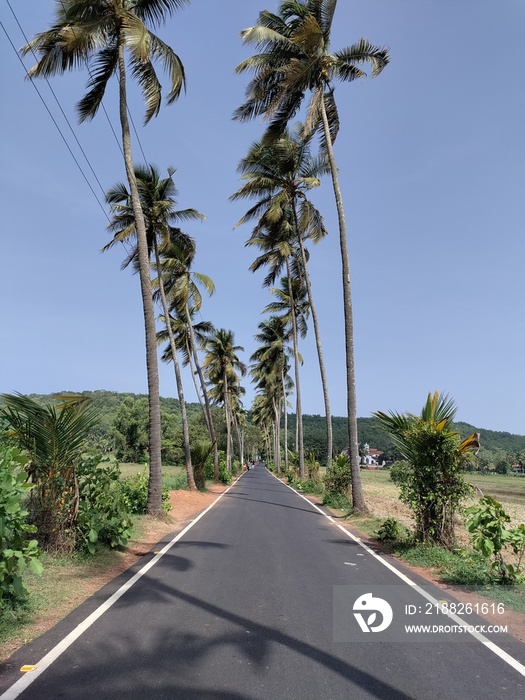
[(131, 430), (224, 369)]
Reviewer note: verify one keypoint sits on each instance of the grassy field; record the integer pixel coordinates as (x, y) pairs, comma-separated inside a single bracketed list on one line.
[(172, 477)]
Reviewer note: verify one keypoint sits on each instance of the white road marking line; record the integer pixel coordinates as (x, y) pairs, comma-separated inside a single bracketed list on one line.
[(22, 683), (507, 658)]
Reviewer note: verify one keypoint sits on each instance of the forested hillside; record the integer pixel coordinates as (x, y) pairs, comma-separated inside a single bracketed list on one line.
[(123, 428)]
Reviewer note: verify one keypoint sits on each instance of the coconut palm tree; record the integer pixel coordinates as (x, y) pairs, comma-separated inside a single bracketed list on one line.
[(279, 174), (54, 436), (157, 199), (223, 369), (295, 59), (182, 286), (101, 33), (292, 303), (270, 367)]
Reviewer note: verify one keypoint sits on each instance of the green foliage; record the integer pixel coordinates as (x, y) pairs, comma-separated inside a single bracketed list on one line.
[(175, 482), (337, 483), (53, 436), (17, 551), (134, 490), (487, 525), (431, 484), (103, 517), (391, 530), (315, 486), (400, 472), (200, 454)]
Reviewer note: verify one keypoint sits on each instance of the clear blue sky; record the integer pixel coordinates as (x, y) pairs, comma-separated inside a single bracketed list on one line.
[(432, 164)]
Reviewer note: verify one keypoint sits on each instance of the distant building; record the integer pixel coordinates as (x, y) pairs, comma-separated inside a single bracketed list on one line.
[(371, 457)]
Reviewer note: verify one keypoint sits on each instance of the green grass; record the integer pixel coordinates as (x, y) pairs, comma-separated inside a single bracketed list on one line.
[(502, 487), (173, 478), (130, 469)]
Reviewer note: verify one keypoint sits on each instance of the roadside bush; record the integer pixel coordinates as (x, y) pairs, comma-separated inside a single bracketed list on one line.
[(432, 484), (400, 472), (200, 454), (17, 550), (337, 482), (490, 535), (134, 491), (103, 517), (391, 530)]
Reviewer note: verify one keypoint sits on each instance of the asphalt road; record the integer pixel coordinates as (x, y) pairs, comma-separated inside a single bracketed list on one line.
[(242, 608)]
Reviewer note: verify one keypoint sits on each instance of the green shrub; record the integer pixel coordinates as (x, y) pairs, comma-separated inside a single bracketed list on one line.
[(17, 551), (400, 472), (224, 475), (490, 535), (103, 517), (310, 486), (200, 454), (391, 530), (134, 491), (337, 482)]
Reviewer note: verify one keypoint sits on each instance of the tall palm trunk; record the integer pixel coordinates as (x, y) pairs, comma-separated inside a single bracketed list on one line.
[(178, 378), (277, 414), (154, 504), (285, 427), (317, 332), (228, 422), (299, 409), (358, 499), (207, 404)]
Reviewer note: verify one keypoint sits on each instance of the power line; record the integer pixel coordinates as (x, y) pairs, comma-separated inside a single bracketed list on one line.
[(57, 126)]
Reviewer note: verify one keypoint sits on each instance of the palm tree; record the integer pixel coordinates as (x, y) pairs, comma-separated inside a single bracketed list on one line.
[(53, 436), (433, 485), (279, 173), (296, 59), (291, 302), (223, 368), (270, 367), (157, 199), (182, 286), (100, 32)]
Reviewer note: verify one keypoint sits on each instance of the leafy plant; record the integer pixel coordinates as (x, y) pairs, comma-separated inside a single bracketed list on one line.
[(103, 517), (200, 453), (17, 551), (487, 526), (53, 437), (390, 530), (337, 483), (134, 490), (431, 482)]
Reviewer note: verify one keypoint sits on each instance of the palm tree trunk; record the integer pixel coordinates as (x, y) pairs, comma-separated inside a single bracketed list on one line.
[(322, 370), (178, 378), (209, 417), (228, 423), (285, 427), (358, 499), (277, 414), (154, 504), (299, 410)]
